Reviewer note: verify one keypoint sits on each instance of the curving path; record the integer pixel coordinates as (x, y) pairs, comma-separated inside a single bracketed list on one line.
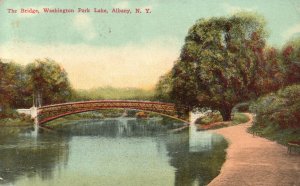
[(255, 160)]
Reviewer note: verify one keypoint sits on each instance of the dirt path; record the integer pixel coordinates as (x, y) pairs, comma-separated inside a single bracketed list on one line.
[(256, 161)]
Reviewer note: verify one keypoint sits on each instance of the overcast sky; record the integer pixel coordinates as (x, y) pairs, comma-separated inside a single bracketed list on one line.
[(123, 50)]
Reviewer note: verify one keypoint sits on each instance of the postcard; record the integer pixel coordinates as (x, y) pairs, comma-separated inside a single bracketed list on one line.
[(149, 92)]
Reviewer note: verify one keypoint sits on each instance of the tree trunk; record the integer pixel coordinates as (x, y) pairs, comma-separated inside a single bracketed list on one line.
[(226, 113)]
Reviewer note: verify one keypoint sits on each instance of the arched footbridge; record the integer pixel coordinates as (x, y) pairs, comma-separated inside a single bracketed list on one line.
[(50, 112)]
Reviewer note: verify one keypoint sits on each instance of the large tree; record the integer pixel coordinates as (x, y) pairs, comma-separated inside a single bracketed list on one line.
[(218, 63), (49, 81), (12, 85)]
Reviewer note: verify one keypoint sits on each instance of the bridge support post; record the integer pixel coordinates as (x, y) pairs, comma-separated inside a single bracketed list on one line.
[(33, 112), (34, 115)]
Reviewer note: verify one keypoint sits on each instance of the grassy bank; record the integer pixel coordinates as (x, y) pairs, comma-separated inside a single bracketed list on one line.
[(14, 122), (10, 117), (215, 121), (275, 133)]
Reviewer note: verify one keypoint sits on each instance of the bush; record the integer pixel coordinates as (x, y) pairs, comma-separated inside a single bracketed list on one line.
[(9, 113), (211, 117), (241, 107), (131, 113), (239, 118), (281, 108)]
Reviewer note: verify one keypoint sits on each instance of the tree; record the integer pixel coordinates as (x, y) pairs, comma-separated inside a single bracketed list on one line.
[(218, 63), (270, 72), (12, 89), (49, 81), (291, 59), (163, 88)]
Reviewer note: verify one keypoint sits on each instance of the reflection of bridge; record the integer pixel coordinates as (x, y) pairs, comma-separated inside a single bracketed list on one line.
[(51, 112)]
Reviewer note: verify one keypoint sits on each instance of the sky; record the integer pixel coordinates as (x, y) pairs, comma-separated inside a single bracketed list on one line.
[(123, 50)]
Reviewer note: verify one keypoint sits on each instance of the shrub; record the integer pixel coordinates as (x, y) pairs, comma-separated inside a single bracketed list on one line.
[(239, 118), (281, 108), (241, 107), (210, 117), (9, 113)]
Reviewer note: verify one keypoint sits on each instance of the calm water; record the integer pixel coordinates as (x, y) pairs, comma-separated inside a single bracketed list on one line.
[(109, 152)]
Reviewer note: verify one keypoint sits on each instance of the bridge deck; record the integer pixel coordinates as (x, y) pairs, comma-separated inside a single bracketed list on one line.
[(51, 112)]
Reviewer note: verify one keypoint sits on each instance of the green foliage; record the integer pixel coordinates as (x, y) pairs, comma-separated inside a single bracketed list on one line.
[(224, 61), (209, 118), (112, 113), (9, 113), (241, 107), (291, 58), (131, 113), (12, 118), (281, 108), (217, 117), (43, 77), (163, 88), (218, 63), (270, 73), (275, 133), (239, 118), (13, 86), (115, 94), (49, 80)]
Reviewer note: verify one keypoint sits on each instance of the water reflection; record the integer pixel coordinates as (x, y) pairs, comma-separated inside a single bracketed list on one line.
[(196, 165), (25, 156), (123, 127), (122, 151)]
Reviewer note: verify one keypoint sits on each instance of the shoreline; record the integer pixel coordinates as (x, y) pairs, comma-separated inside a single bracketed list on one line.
[(252, 160)]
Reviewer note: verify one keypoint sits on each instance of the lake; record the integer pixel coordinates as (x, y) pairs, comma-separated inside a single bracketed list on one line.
[(120, 151)]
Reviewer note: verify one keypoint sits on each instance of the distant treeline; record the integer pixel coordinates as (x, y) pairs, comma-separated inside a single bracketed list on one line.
[(115, 93)]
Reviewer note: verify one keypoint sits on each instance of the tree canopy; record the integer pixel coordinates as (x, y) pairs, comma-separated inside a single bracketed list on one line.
[(291, 57), (49, 80), (218, 62), (12, 84), (164, 87), (225, 61), (18, 84)]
